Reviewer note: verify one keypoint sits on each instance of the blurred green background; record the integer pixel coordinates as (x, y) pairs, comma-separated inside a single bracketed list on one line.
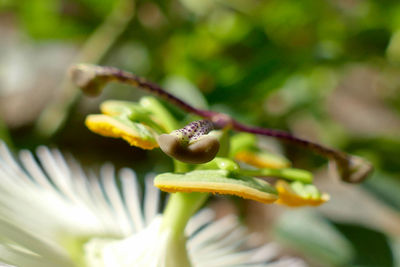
[(326, 70)]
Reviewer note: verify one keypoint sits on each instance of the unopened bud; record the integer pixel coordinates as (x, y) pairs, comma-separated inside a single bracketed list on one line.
[(355, 170), (89, 78)]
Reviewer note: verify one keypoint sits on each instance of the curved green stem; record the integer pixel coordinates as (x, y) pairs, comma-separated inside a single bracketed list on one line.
[(181, 167), (181, 206)]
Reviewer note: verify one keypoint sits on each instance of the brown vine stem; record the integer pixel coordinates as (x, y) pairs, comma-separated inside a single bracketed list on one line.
[(93, 78), (94, 49)]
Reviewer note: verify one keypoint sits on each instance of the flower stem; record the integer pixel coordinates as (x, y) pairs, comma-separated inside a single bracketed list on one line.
[(181, 167), (180, 207)]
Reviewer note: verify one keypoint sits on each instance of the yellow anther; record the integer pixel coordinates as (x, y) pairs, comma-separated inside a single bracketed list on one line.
[(262, 160), (288, 197), (217, 188), (134, 133)]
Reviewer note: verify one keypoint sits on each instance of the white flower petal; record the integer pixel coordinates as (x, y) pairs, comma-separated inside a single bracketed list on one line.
[(31, 243), (213, 232), (11, 254), (200, 219), (132, 197), (50, 208), (151, 200), (114, 198), (136, 250)]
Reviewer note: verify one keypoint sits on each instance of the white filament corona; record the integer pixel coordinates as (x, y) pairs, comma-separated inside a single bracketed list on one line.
[(53, 214)]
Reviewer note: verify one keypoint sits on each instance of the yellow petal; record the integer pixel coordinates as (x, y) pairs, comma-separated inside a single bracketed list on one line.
[(288, 197), (134, 133), (262, 160)]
